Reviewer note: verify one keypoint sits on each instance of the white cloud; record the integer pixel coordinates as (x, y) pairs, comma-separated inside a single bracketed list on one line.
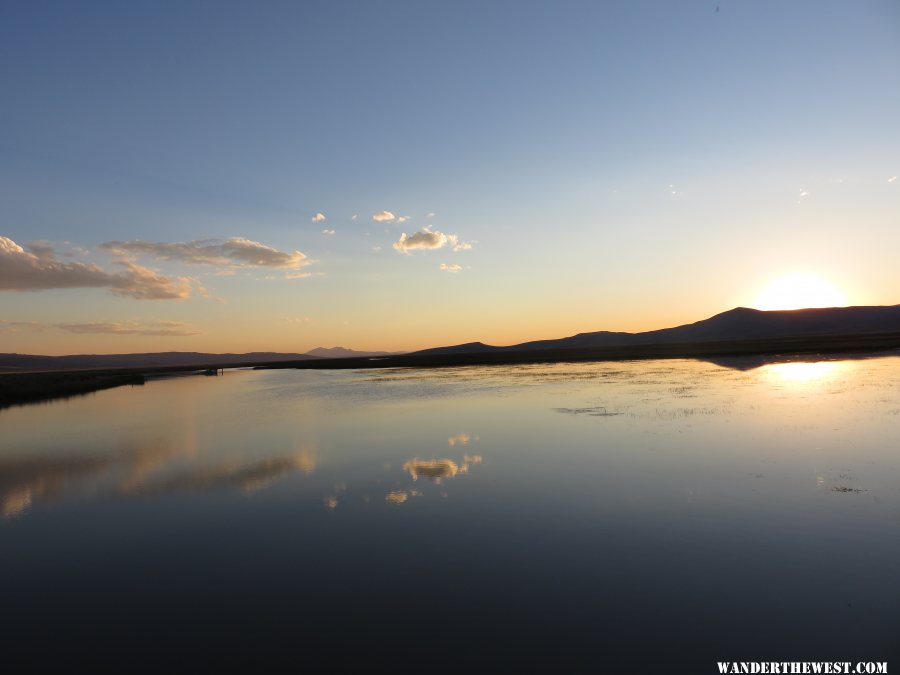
[(450, 268), (426, 239), (892, 179), (39, 269), (354, 216), (157, 329), (318, 218), (231, 253), (429, 240), (383, 216), (328, 232), (402, 219), (430, 215)]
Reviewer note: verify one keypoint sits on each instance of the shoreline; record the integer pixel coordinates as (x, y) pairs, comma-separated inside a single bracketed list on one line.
[(21, 388)]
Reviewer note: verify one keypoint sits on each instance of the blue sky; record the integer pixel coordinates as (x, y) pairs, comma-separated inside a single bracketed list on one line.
[(612, 165)]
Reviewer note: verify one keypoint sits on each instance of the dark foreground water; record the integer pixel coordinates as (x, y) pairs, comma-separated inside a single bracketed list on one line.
[(619, 517)]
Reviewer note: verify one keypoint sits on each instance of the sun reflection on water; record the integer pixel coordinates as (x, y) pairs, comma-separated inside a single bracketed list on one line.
[(803, 372)]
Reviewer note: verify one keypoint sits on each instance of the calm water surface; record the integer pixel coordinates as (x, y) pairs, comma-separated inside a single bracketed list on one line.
[(617, 516)]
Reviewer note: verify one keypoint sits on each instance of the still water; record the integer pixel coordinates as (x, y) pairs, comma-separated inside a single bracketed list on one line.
[(615, 517)]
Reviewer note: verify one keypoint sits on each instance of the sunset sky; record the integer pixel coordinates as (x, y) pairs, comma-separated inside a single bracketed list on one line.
[(216, 176)]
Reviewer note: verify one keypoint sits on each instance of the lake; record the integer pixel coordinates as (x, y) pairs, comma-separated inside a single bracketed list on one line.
[(651, 516)]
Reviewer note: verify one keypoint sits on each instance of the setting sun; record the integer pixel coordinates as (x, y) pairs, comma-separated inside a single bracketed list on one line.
[(799, 291)]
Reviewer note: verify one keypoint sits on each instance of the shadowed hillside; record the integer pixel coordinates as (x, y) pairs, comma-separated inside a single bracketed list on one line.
[(740, 323)]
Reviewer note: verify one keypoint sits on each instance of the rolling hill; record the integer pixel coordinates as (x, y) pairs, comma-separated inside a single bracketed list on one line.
[(740, 323)]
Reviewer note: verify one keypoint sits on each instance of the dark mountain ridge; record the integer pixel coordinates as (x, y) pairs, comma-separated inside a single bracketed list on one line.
[(740, 323)]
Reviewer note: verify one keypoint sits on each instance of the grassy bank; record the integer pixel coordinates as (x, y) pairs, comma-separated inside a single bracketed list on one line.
[(17, 388)]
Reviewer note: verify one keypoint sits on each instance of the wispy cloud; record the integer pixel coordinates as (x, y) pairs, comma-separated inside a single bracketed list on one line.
[(402, 219), (318, 218), (157, 328), (450, 268), (143, 283), (892, 179), (39, 269), (429, 240), (328, 232), (230, 253), (43, 250), (383, 217), (7, 327)]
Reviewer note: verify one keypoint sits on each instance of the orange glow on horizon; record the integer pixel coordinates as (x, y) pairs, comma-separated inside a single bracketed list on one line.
[(799, 291)]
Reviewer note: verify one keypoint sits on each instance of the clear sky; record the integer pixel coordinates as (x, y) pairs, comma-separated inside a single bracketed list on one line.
[(218, 176)]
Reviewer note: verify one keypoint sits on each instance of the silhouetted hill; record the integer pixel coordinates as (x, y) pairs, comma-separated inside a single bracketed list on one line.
[(740, 323), (467, 348), (343, 353), (26, 362)]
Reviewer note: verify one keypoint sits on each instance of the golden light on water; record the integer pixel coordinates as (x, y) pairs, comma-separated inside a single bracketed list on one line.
[(799, 291), (804, 372)]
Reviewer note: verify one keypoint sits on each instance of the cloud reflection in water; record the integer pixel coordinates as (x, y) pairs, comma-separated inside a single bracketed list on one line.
[(151, 469), (433, 469)]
